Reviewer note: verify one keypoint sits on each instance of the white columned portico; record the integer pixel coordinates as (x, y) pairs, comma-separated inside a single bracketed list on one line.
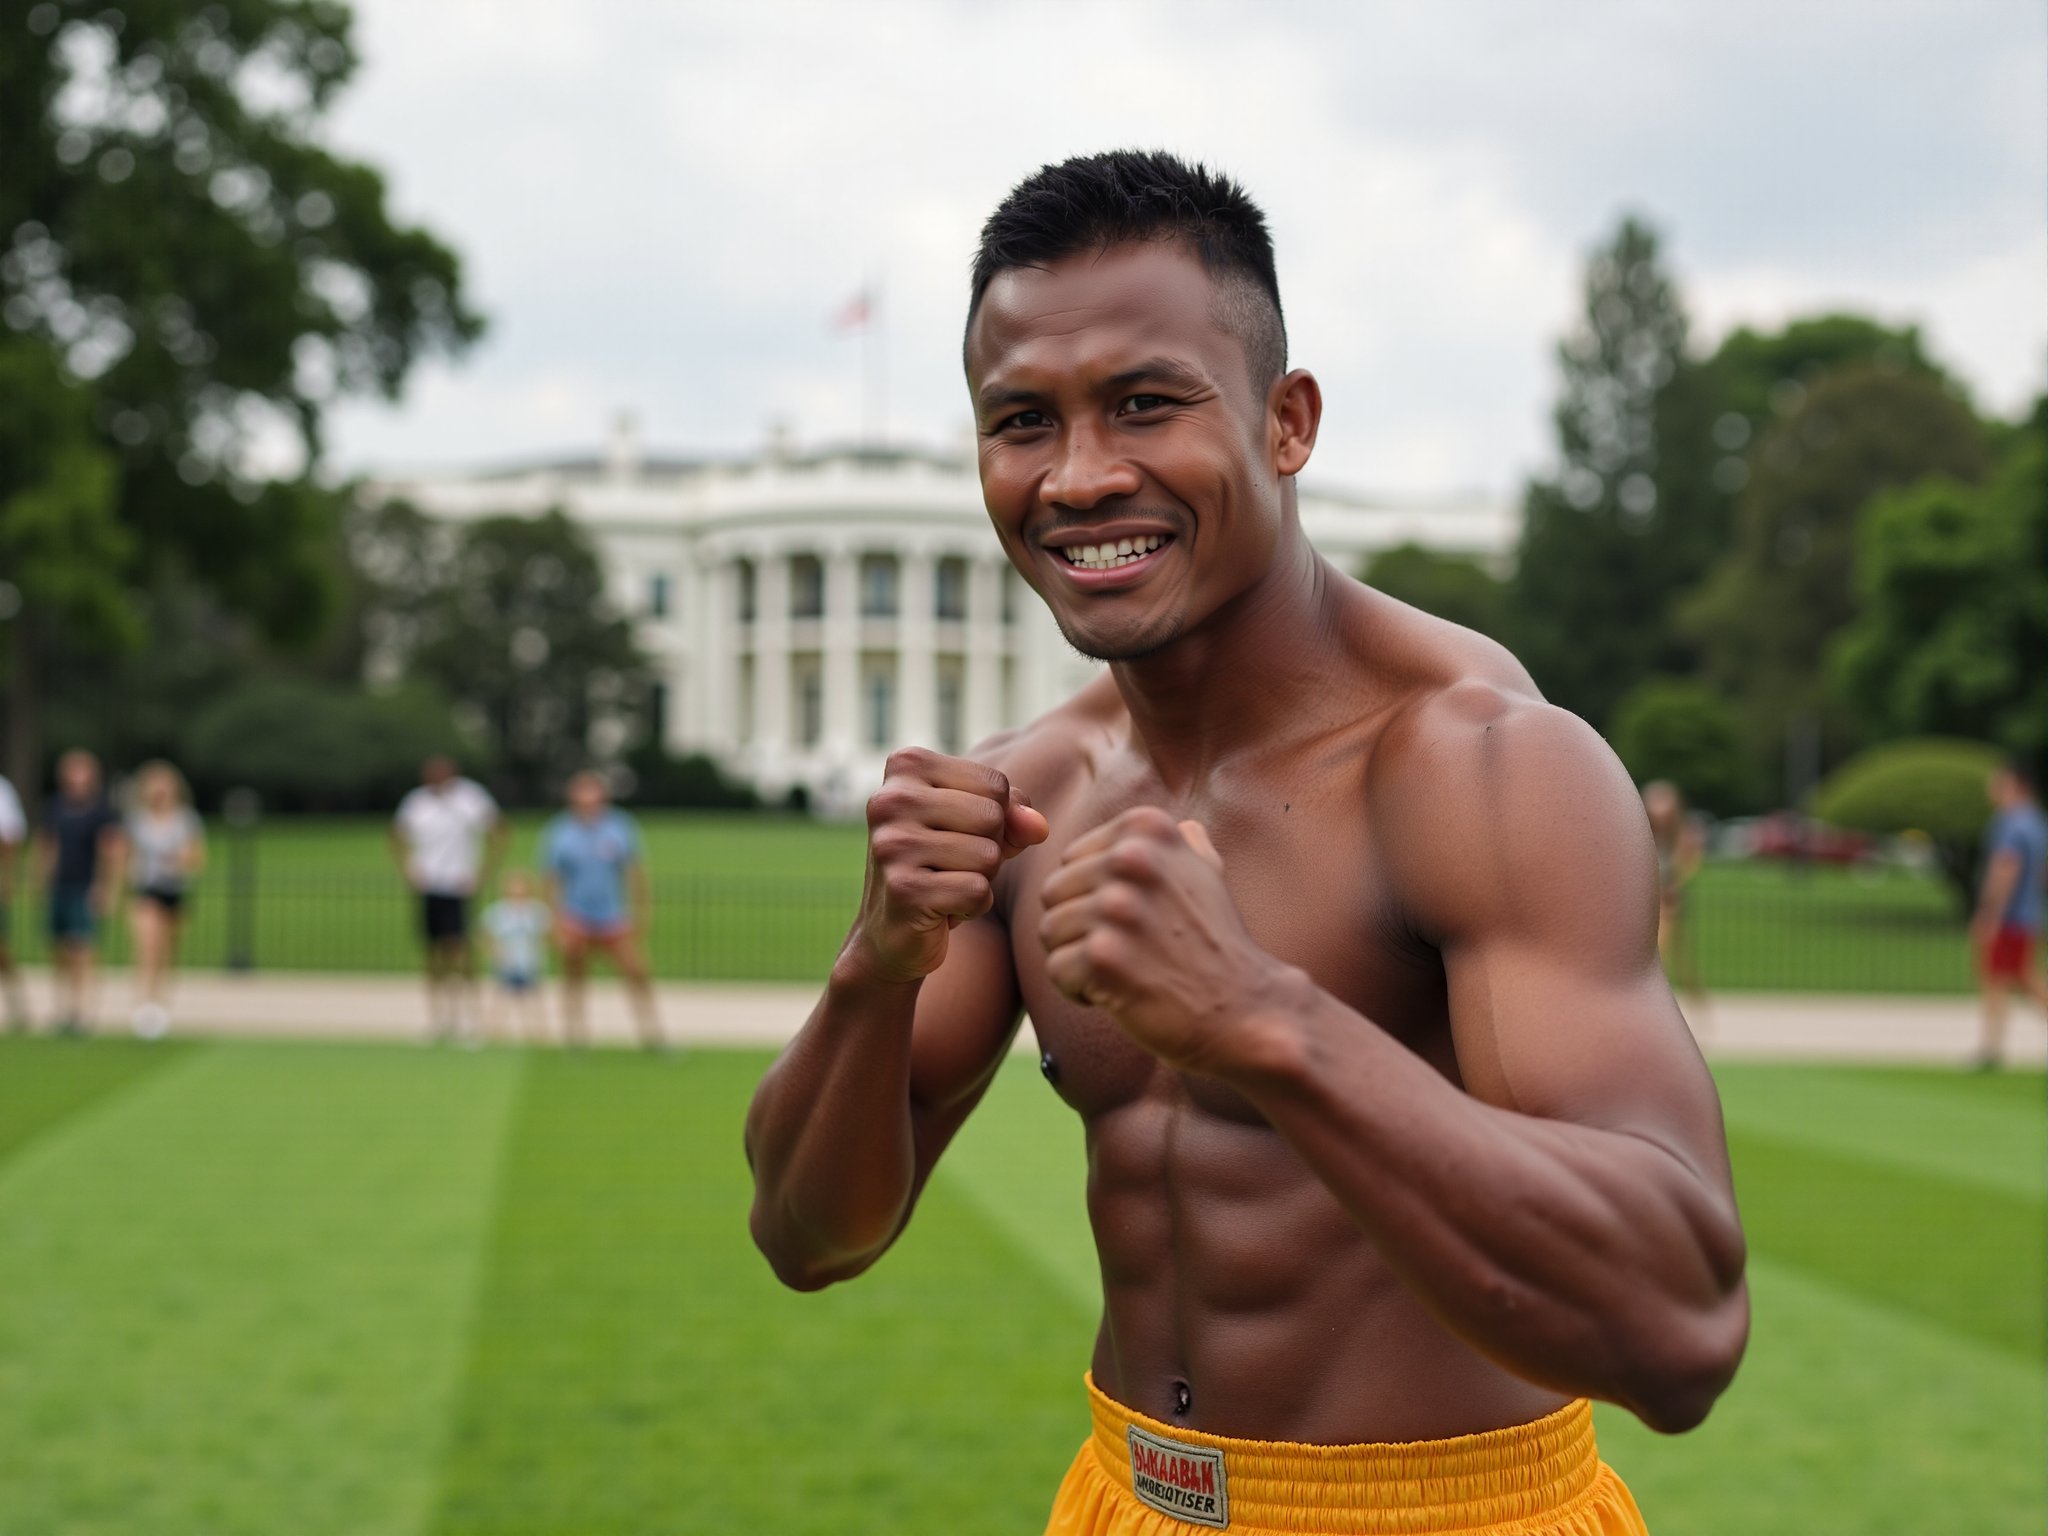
[(842, 655), (984, 648), (715, 617), (916, 670), (771, 663), (689, 531)]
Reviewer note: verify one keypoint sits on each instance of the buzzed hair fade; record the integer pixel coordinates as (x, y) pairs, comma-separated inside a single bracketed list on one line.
[(1130, 197)]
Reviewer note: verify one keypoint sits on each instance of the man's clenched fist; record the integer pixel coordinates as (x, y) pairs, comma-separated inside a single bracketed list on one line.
[(1138, 922), (938, 830)]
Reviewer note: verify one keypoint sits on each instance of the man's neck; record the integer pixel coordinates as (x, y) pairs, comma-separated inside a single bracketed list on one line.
[(1257, 671)]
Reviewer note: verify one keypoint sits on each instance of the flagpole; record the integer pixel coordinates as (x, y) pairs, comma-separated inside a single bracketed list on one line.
[(874, 371)]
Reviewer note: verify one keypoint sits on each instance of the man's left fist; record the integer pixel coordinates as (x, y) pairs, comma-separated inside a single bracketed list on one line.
[(1139, 922)]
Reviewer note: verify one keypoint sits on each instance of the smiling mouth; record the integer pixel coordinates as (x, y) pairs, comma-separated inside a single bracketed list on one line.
[(1110, 554)]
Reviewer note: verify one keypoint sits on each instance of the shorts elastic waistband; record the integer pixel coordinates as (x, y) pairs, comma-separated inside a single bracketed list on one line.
[(1523, 1472)]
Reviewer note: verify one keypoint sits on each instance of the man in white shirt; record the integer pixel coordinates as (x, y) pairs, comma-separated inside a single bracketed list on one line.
[(13, 833), (447, 837)]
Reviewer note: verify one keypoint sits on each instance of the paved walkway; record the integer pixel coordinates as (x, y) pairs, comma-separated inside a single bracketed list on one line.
[(297, 1004)]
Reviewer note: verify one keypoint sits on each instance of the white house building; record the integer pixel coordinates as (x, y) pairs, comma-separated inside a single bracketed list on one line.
[(809, 612)]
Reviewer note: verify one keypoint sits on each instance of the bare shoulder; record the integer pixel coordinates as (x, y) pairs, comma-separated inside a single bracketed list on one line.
[(1492, 805), (1043, 756)]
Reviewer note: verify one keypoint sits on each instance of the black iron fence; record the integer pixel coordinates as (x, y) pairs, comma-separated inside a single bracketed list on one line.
[(703, 927), (1751, 926)]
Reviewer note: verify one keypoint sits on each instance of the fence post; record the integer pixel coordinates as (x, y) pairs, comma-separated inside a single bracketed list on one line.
[(242, 808)]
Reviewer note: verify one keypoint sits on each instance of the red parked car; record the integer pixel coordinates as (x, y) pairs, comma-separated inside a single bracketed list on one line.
[(1784, 835)]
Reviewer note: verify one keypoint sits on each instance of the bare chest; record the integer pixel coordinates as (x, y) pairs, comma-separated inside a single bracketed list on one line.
[(1300, 864)]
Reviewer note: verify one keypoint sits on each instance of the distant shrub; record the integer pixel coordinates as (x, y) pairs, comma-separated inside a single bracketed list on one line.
[(1681, 730), (1930, 784), (695, 782), (305, 745)]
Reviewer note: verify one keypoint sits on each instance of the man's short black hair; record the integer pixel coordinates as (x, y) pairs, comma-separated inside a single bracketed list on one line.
[(2022, 766), (1129, 196)]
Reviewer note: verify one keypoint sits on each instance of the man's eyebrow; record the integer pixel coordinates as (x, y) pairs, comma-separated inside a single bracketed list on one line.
[(1159, 370), (992, 398), (1154, 370)]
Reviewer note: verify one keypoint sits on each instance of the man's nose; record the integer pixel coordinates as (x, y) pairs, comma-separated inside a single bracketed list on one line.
[(1090, 470)]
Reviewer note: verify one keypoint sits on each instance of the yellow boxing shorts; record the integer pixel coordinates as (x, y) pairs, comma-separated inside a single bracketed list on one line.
[(1141, 1477)]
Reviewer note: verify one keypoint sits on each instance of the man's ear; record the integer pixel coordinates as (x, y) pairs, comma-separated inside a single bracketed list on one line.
[(1294, 411)]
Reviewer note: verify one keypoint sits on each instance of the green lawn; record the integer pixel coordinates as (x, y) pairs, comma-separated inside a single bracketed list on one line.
[(362, 1290), (768, 898)]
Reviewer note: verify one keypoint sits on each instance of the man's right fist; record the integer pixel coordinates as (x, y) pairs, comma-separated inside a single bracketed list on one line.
[(938, 830)]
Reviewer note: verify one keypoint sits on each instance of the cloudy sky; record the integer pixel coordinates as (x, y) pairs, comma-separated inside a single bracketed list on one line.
[(663, 205)]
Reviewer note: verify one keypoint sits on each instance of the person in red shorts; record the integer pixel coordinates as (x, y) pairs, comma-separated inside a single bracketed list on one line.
[(2007, 926)]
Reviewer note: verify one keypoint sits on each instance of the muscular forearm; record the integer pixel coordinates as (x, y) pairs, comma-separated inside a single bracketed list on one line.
[(1592, 1261), (831, 1135)]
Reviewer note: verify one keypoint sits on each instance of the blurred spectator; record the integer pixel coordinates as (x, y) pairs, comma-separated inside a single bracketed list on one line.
[(1680, 846), (167, 850), (13, 831), (447, 838), (593, 859), (517, 926), (2007, 926), (79, 854)]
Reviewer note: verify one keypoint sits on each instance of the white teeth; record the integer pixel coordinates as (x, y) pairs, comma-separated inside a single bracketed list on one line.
[(1107, 557)]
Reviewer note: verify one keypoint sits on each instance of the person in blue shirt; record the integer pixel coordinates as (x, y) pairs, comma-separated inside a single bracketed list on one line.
[(597, 885), (2006, 929)]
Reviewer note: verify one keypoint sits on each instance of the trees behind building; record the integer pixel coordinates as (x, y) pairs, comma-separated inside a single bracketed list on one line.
[(1781, 552), (186, 268)]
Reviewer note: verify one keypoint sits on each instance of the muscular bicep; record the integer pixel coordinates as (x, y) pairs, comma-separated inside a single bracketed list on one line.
[(1539, 1032), (1541, 895)]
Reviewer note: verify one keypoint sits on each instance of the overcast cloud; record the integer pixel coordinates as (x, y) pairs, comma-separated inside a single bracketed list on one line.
[(661, 206)]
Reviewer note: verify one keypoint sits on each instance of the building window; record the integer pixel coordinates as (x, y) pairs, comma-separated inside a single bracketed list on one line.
[(743, 573), (951, 590), (878, 587), (1010, 584), (657, 714), (810, 706), (806, 587), (881, 708), (950, 689), (657, 595), (744, 688)]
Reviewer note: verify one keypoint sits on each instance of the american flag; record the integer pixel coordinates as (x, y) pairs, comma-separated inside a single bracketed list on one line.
[(855, 313)]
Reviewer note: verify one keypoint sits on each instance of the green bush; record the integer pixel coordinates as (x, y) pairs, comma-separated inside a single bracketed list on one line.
[(316, 746), (1929, 784), (695, 782), (1674, 728)]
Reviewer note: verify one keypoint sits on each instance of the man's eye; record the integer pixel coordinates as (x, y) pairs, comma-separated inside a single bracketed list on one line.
[(1144, 402), (1023, 420)]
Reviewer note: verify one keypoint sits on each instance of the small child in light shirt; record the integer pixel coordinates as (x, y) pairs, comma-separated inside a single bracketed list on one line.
[(517, 926)]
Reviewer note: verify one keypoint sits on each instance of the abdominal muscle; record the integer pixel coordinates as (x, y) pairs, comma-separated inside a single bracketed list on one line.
[(1240, 1299)]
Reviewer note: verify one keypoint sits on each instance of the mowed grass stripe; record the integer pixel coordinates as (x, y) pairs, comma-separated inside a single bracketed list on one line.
[(1023, 1163), (2022, 1090), (636, 1368), (1968, 1127), (44, 1081), (236, 1302), (1848, 1419), (1961, 1256)]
